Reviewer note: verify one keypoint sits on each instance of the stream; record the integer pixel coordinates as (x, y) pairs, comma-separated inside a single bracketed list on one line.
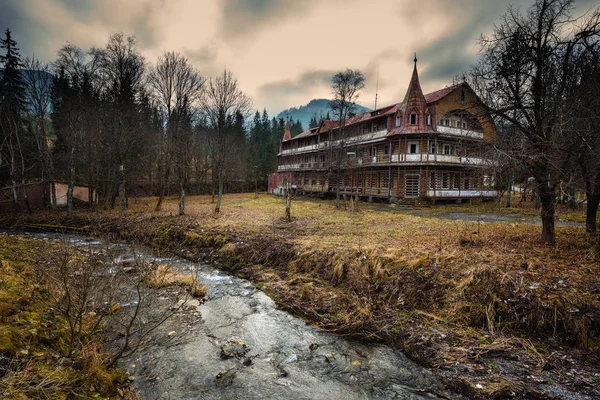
[(238, 345)]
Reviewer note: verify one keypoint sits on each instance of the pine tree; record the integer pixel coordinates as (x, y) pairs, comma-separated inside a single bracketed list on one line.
[(12, 87), (12, 111)]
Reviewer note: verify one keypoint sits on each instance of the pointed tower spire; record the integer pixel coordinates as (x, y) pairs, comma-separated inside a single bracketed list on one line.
[(414, 104), (288, 134)]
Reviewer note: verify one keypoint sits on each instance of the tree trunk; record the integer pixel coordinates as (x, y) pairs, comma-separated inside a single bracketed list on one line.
[(164, 183), (219, 194), (71, 183), (593, 199), (52, 184), (181, 199), (337, 191), (288, 203), (508, 193), (572, 200), (122, 198), (547, 201)]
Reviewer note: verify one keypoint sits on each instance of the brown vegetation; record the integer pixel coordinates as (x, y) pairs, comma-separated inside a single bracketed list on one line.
[(447, 292)]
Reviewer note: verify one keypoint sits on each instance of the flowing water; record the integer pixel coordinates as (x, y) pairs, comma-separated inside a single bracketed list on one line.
[(238, 345)]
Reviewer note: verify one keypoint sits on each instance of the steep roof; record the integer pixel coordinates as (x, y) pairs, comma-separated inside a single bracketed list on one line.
[(439, 94), (414, 97), (288, 134), (414, 94)]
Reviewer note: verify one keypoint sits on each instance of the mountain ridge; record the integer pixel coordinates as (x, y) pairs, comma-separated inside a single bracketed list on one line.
[(320, 107)]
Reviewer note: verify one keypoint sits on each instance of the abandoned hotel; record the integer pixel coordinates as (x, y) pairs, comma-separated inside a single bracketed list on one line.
[(430, 147)]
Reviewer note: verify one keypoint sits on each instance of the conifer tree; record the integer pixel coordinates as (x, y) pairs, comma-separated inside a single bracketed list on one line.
[(12, 110)]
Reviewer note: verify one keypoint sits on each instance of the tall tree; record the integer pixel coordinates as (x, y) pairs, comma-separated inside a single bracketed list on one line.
[(524, 75), (74, 107), (123, 68), (38, 95), (585, 135), (222, 102), (177, 88), (12, 109), (345, 87)]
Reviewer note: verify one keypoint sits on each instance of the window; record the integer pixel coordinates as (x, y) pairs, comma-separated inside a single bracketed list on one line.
[(445, 181), (413, 147), (428, 119), (446, 149), (413, 119), (386, 150), (374, 128), (462, 95), (432, 149), (397, 120), (456, 181), (432, 180)]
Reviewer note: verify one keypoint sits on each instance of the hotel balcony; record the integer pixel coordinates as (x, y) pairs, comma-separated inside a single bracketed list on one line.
[(460, 132), (396, 159)]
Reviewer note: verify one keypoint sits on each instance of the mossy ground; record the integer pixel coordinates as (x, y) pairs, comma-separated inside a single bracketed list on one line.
[(33, 353), (447, 292)]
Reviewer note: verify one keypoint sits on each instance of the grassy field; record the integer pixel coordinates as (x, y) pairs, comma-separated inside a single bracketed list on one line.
[(448, 292)]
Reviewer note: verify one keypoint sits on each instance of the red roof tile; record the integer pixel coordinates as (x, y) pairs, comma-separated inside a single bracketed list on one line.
[(288, 134), (438, 94), (386, 110)]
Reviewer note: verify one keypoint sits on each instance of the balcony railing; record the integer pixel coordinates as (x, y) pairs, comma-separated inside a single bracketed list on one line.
[(364, 137), (460, 132), (449, 193), (421, 158)]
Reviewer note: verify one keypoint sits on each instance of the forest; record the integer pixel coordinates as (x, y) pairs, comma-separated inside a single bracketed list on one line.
[(108, 119)]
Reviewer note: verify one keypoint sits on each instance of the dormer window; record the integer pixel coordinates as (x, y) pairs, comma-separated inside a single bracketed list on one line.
[(397, 120), (413, 119), (428, 119)]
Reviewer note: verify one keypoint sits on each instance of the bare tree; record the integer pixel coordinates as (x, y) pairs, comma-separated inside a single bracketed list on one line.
[(177, 89), (346, 87), (123, 68), (523, 76), (38, 95), (76, 85), (223, 101), (585, 113)]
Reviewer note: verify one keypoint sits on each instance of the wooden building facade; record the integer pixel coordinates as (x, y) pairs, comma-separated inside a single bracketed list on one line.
[(432, 146)]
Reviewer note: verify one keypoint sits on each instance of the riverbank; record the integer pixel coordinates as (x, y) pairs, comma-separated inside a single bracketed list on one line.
[(40, 352), (495, 311)]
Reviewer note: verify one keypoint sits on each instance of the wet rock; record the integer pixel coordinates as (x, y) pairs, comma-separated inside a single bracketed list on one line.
[(225, 378), (234, 348), (282, 373), (291, 359)]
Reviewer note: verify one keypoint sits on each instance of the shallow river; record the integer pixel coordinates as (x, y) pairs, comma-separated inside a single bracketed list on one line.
[(238, 345)]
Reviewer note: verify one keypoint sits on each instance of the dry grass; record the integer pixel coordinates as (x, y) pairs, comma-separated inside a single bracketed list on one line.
[(163, 276), (452, 290), (482, 274), (33, 336)]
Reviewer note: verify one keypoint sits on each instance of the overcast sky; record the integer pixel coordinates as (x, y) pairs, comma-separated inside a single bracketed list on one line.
[(283, 52)]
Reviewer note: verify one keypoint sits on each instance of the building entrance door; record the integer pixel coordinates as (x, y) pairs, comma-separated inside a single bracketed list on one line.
[(412, 185)]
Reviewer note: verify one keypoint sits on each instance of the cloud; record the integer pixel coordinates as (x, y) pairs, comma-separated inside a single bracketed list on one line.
[(239, 17), (455, 52), (302, 84), (202, 55)]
